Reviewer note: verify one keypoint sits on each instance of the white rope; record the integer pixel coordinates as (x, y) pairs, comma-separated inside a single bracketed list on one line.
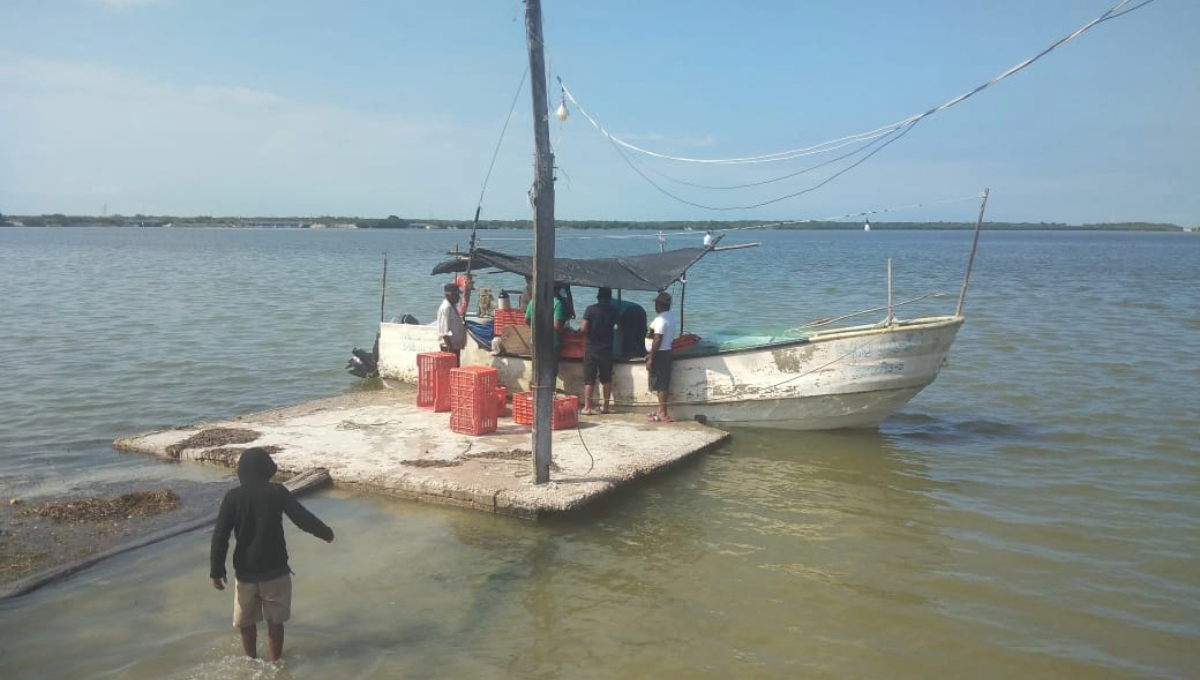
[(832, 145), (766, 158)]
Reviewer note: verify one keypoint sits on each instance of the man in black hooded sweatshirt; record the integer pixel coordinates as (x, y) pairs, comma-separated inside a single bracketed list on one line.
[(253, 512)]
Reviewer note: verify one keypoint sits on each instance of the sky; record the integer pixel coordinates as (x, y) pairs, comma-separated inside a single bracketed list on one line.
[(373, 108)]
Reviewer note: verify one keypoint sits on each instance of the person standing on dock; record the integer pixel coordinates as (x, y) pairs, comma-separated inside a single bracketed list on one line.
[(254, 512), (658, 354), (597, 328), (452, 332)]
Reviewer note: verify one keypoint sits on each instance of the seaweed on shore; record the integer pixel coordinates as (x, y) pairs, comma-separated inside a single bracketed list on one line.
[(215, 436), (134, 504)]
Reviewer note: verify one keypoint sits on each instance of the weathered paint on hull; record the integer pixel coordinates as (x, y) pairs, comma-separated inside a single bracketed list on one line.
[(847, 378)]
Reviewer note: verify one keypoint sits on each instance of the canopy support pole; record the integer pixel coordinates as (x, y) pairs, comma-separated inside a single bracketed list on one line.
[(544, 359)]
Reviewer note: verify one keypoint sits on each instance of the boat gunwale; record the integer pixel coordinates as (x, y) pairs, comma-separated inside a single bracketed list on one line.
[(845, 333)]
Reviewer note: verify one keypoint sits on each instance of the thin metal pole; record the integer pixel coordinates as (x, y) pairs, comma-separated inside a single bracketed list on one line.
[(544, 361), (962, 296), (383, 292), (379, 329), (889, 316), (682, 297)]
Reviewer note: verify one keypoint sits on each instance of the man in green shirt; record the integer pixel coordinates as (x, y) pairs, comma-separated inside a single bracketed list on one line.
[(560, 315)]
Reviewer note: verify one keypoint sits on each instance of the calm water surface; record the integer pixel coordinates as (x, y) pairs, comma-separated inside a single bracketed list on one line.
[(1034, 513)]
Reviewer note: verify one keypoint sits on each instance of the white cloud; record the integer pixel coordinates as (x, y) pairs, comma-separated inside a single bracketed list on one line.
[(82, 135)]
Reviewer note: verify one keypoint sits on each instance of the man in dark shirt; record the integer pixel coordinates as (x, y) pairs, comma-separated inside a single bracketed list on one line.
[(597, 328), (253, 512)]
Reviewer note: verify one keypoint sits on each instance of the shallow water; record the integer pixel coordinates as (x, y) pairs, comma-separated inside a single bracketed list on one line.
[(1031, 514)]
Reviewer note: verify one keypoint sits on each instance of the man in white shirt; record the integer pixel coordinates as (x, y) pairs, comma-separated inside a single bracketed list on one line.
[(452, 332), (658, 354)]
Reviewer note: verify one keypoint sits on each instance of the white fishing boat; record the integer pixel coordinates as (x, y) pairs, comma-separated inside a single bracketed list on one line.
[(836, 373), (831, 374)]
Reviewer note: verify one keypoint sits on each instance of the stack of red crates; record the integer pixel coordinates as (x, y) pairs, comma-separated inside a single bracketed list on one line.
[(473, 399), (433, 379), (506, 317), (565, 414)]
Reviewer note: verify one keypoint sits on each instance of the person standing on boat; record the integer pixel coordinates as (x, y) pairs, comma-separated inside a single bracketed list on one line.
[(253, 512), (597, 328), (560, 313), (708, 239), (658, 354), (560, 321), (452, 332)]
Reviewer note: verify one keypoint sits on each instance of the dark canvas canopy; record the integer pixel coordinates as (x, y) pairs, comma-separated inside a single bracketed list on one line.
[(652, 272)]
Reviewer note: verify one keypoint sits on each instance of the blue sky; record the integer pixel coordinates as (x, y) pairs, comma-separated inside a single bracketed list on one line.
[(371, 108)]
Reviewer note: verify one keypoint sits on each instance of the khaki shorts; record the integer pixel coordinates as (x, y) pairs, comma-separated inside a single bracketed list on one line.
[(270, 600)]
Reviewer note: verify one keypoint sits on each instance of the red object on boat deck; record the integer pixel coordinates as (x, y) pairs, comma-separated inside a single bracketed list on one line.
[(684, 342), (506, 317), (463, 283), (433, 379), (571, 344)]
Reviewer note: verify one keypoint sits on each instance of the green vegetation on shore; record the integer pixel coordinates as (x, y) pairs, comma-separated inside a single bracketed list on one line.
[(395, 222)]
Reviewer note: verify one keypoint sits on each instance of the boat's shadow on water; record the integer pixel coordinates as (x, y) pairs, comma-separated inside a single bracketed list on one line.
[(918, 427)]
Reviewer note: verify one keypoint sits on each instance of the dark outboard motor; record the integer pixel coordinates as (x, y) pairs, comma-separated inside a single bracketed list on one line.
[(363, 364)]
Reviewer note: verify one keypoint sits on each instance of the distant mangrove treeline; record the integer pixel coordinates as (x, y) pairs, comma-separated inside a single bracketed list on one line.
[(395, 222)]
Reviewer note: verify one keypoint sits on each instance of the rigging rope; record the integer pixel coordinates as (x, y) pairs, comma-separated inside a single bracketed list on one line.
[(831, 145), (512, 107), (867, 143)]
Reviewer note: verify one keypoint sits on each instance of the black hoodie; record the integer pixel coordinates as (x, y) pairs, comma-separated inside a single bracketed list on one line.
[(254, 513)]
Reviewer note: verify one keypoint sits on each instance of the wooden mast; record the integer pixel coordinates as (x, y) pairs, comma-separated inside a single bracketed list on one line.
[(544, 361), (962, 295)]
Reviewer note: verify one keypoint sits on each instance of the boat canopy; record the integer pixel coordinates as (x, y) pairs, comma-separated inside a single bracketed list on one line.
[(651, 272)]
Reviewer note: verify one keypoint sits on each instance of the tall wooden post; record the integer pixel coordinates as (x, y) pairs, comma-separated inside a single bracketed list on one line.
[(544, 360)]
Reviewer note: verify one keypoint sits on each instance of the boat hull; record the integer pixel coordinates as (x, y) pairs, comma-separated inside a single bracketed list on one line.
[(840, 378)]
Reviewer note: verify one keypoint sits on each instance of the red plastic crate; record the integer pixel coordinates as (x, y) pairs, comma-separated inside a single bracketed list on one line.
[(522, 408), (433, 379), (571, 345), (473, 399), (564, 415), (467, 419), (501, 403), (506, 317), (566, 412)]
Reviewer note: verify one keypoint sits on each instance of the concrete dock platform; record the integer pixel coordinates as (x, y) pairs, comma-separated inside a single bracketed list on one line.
[(380, 441)]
